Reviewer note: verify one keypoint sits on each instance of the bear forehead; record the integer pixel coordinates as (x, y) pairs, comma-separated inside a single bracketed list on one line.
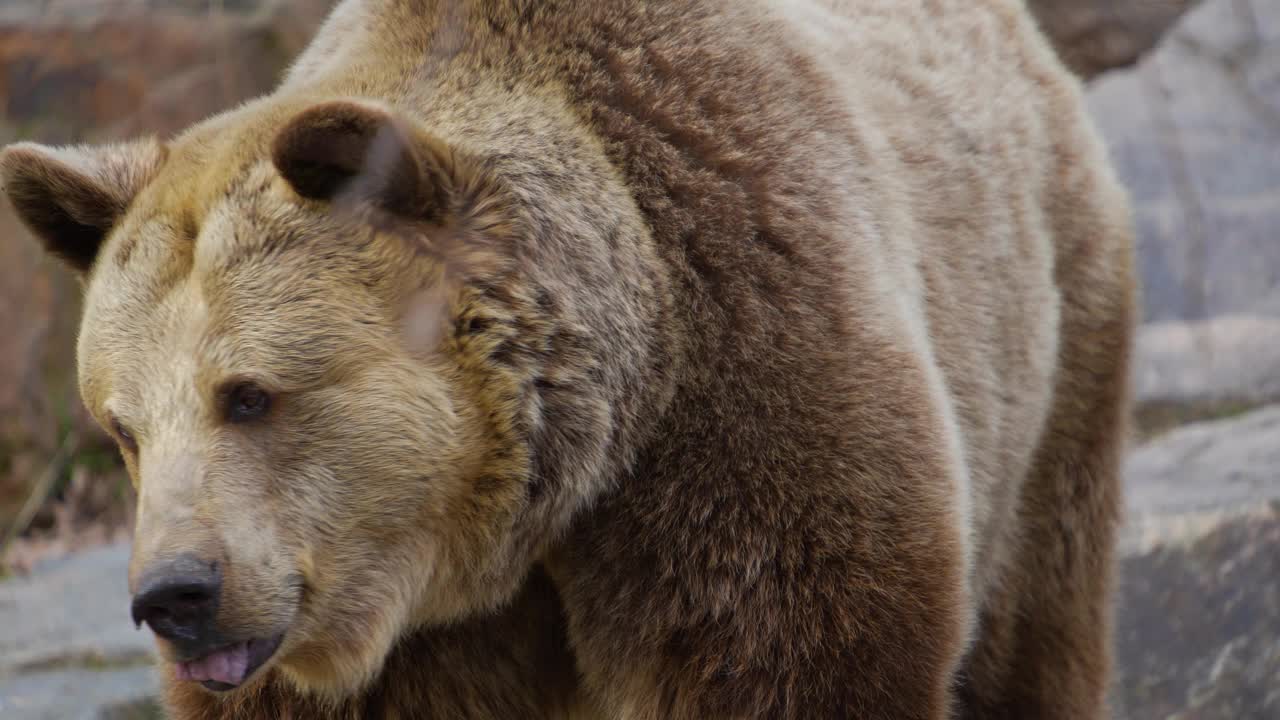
[(222, 160), (192, 272), (155, 240), (213, 306), (214, 204)]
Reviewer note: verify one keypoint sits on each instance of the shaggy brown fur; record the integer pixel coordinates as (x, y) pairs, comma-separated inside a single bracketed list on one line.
[(790, 340)]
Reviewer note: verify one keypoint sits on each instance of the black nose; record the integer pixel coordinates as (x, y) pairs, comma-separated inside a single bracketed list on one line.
[(179, 599)]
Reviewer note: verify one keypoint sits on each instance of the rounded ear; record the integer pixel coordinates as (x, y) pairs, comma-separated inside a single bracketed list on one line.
[(355, 150), (70, 198)]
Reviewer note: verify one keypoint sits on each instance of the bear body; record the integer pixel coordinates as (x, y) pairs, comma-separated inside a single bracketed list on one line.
[(621, 359)]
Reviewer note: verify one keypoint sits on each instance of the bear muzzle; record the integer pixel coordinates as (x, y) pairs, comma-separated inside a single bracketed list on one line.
[(178, 599)]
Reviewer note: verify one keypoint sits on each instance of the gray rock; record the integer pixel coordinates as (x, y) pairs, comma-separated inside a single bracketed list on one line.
[(79, 694), (77, 607), (1194, 130), (1198, 616), (1195, 133), (1183, 483), (1198, 626), (68, 649), (1232, 360)]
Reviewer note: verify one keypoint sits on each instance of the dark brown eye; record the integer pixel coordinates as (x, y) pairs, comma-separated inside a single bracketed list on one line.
[(126, 439), (246, 401)]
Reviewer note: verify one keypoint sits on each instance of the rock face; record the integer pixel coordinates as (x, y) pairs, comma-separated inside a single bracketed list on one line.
[(67, 647), (1193, 370), (103, 69), (1195, 133), (1191, 478), (1198, 617), (1198, 626)]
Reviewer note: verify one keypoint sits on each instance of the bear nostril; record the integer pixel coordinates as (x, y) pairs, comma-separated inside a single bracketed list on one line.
[(178, 600), (177, 606)]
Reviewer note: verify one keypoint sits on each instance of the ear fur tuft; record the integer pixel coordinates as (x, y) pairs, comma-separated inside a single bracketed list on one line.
[(70, 198), (356, 150)]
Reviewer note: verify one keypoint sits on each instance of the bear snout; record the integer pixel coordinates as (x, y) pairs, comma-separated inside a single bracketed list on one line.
[(178, 599)]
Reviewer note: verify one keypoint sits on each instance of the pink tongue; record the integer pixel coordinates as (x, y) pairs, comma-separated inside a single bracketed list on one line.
[(226, 665)]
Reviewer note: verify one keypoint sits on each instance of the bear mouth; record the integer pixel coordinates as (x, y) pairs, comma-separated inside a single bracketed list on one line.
[(229, 666)]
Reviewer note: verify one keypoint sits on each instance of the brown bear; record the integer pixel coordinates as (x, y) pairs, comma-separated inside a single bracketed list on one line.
[(612, 358)]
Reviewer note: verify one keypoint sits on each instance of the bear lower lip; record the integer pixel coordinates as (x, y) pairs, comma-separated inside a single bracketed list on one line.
[(227, 667)]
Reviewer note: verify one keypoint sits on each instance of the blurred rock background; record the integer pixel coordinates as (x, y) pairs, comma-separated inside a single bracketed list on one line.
[(1187, 95)]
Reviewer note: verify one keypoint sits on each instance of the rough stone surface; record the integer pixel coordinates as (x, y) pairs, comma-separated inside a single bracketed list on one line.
[(1185, 481), (1232, 359), (1198, 616), (1194, 130), (79, 694), (1198, 626), (104, 69), (68, 649)]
